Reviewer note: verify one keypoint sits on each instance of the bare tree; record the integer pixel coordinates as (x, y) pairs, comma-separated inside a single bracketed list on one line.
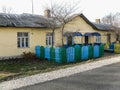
[(117, 33), (61, 15), (6, 10), (114, 21), (108, 19), (52, 24)]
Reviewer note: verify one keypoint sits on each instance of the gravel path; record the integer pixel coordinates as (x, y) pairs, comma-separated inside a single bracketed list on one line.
[(31, 80)]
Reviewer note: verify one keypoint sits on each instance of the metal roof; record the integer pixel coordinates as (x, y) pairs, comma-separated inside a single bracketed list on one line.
[(38, 21), (98, 26), (22, 20)]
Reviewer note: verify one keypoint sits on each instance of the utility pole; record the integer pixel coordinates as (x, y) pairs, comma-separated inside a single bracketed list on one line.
[(32, 6)]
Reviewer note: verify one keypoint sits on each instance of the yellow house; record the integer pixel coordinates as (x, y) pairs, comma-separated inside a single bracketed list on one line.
[(21, 33), (89, 32)]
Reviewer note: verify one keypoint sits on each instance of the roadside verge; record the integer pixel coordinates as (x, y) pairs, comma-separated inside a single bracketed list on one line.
[(34, 79)]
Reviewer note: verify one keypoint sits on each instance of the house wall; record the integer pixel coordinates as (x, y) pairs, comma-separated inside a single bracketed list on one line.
[(8, 40), (113, 37), (79, 25)]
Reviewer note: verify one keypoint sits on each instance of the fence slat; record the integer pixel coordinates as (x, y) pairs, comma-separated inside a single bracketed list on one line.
[(47, 53), (57, 55), (37, 51), (101, 50), (52, 54), (63, 55), (42, 52), (77, 53), (85, 53), (90, 51), (70, 54), (96, 51)]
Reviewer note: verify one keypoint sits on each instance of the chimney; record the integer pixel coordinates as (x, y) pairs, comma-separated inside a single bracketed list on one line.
[(97, 20), (47, 13)]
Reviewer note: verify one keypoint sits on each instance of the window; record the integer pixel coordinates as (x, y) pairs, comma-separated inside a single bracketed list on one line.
[(98, 39), (22, 39), (49, 39)]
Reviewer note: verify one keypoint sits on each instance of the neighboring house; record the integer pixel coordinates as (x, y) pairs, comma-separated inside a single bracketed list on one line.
[(21, 33), (92, 32)]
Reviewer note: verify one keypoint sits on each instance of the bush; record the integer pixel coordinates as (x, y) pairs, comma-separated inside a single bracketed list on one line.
[(28, 56)]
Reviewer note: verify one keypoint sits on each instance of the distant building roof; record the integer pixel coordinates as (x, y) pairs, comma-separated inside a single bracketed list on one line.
[(98, 26), (101, 26)]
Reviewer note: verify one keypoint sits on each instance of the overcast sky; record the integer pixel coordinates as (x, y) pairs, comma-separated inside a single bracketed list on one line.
[(92, 9)]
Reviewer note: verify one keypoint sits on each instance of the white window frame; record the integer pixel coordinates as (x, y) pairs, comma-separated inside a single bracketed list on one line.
[(22, 40), (98, 39), (49, 39)]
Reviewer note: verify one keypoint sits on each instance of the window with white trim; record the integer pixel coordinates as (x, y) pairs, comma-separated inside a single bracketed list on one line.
[(22, 39), (98, 39), (49, 39)]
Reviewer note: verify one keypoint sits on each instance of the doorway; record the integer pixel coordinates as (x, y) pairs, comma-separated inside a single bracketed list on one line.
[(69, 40), (86, 39)]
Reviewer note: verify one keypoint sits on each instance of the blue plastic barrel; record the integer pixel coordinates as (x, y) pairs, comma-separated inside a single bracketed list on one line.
[(37, 51), (70, 54), (47, 53), (111, 46), (57, 55), (84, 53), (96, 51)]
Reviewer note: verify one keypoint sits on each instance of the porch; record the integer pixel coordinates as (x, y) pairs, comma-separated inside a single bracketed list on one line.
[(77, 38)]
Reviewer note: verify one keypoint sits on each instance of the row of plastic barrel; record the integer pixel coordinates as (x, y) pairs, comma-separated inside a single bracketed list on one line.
[(70, 54)]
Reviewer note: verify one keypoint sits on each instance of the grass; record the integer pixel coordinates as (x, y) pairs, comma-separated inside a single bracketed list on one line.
[(26, 67), (10, 69)]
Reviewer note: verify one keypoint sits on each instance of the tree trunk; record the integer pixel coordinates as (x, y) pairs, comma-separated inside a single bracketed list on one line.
[(53, 31), (62, 34), (117, 37)]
